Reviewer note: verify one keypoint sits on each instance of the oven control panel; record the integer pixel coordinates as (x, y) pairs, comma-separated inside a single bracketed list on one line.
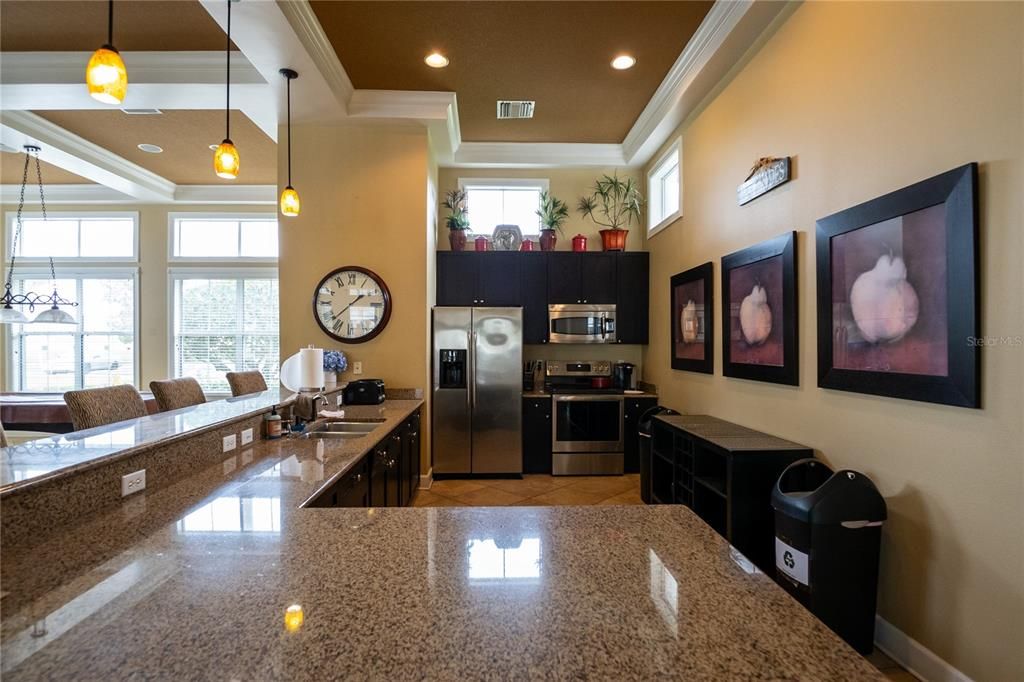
[(589, 368)]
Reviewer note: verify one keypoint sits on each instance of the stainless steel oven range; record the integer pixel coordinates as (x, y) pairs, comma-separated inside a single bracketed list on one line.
[(587, 419)]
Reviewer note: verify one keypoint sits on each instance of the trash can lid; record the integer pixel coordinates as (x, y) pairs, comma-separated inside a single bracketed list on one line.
[(842, 497), (644, 425)]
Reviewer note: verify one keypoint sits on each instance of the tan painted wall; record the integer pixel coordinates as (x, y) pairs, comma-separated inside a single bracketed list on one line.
[(364, 192), (568, 184), (154, 350), (869, 98)]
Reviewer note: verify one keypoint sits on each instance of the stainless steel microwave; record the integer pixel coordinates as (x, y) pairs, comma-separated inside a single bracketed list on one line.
[(575, 323)]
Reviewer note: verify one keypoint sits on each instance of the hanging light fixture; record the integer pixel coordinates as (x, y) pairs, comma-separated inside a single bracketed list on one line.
[(105, 75), (225, 158), (290, 204), (8, 314)]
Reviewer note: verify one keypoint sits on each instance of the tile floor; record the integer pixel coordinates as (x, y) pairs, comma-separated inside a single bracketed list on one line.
[(543, 490)]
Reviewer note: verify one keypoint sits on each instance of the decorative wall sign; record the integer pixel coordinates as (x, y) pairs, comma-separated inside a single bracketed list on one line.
[(352, 304), (767, 174), (759, 312), (691, 316), (898, 293)]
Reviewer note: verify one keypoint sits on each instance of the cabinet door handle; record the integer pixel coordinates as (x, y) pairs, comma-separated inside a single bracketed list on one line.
[(358, 478)]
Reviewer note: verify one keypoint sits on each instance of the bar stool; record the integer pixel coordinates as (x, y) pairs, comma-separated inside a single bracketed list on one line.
[(173, 394), (100, 406), (244, 383), (3, 437)]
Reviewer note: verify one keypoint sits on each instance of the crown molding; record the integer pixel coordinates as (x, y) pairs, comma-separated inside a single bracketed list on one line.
[(145, 67), (70, 194), (83, 158), (536, 155), (183, 194), (226, 194), (302, 19)]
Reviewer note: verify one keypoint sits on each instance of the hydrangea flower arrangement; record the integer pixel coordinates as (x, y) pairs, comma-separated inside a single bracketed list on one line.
[(335, 361)]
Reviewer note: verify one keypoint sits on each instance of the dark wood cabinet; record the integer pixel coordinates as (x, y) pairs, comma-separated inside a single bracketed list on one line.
[(379, 477), (536, 435), (632, 303), (632, 411), (533, 288), (409, 468), (534, 280), (467, 278), (351, 490), (725, 473)]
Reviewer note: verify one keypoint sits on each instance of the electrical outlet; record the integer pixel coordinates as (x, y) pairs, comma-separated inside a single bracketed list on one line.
[(357, 367), (229, 443), (419, 394), (133, 482), (246, 436)]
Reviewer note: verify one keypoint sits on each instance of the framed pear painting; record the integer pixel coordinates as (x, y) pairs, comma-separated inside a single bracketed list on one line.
[(692, 329), (898, 293), (759, 312)]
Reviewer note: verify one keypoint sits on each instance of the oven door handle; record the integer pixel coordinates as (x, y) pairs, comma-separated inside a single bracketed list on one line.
[(604, 322)]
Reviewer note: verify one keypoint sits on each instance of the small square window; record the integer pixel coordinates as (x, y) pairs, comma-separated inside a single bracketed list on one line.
[(493, 202), (664, 189)]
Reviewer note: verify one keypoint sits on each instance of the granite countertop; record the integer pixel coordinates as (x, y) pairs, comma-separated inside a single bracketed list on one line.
[(64, 454), (545, 394), (195, 580)]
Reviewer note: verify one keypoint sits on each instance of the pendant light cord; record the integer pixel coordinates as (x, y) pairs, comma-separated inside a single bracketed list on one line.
[(288, 78), (18, 218), (110, 23), (227, 61)]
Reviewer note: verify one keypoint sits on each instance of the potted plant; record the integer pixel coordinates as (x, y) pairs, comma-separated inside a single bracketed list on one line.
[(457, 220), (613, 204), (334, 362), (553, 213)]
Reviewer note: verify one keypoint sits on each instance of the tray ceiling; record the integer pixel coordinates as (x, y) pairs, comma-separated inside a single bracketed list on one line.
[(12, 165), (81, 25), (556, 53), (185, 136)]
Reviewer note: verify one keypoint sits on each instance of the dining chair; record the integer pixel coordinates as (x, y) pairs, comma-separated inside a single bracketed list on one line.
[(3, 436), (244, 383), (99, 406), (172, 394)]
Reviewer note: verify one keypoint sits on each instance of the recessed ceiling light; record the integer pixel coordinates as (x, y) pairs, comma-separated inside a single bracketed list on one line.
[(150, 148), (623, 62), (436, 60), (214, 147)]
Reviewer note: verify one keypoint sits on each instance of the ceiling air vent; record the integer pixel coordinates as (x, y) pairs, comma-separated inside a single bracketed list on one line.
[(142, 112), (510, 108)]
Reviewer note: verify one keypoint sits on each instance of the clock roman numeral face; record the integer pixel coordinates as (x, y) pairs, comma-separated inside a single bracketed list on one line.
[(351, 305)]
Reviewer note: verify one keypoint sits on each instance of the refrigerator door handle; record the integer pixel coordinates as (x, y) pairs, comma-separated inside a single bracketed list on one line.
[(472, 373), (470, 370)]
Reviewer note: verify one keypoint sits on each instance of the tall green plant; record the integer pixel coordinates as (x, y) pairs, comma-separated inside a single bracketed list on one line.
[(613, 203), (553, 212), (458, 216)]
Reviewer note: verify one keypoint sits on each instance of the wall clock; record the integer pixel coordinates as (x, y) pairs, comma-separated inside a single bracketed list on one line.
[(352, 304)]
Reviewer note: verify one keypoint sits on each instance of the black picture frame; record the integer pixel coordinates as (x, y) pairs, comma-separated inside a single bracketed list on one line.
[(703, 273), (782, 247), (957, 191)]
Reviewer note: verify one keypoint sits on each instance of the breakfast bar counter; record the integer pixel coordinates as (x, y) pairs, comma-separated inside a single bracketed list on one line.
[(224, 575)]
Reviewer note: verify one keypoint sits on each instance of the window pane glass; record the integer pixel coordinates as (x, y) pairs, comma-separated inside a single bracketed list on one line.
[(207, 239), (208, 306), (107, 360), (484, 207), (43, 238), (208, 359), (670, 194), (68, 289), (108, 305), (47, 362), (521, 209), (493, 206), (108, 238), (259, 239)]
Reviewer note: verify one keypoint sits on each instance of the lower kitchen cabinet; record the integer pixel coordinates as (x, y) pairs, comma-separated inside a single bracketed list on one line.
[(387, 476), (536, 435), (633, 410)]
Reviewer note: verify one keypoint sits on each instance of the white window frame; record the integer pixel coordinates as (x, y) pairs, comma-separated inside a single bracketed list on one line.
[(74, 273), (502, 183), (12, 217), (212, 273), (172, 234), (676, 149)]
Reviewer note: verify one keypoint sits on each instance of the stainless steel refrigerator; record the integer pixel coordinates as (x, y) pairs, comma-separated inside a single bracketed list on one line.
[(477, 390)]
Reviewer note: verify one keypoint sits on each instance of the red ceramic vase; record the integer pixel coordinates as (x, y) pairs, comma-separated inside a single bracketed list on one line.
[(480, 243), (614, 240), (579, 243), (527, 245), (548, 239), (457, 239)]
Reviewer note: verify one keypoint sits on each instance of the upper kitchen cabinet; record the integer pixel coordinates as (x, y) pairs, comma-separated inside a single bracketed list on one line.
[(632, 303), (581, 277), (533, 287), (478, 278)]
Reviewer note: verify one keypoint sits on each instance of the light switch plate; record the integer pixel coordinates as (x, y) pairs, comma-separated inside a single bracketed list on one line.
[(229, 443), (246, 436), (357, 367), (133, 482)]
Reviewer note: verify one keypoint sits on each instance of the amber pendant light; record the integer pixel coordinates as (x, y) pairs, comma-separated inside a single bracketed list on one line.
[(290, 204), (225, 158), (105, 75)]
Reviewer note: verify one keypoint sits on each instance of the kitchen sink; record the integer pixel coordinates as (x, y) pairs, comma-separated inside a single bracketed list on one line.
[(342, 429)]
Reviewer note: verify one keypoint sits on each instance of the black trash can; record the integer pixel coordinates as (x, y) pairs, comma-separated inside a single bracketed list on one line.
[(828, 531), (644, 433)]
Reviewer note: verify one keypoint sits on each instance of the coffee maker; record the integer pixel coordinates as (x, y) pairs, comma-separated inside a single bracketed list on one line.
[(622, 375)]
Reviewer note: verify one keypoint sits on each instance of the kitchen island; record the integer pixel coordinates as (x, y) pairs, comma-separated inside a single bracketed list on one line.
[(225, 575)]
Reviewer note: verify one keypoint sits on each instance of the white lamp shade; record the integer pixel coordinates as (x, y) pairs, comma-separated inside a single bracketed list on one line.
[(12, 316), (55, 316)]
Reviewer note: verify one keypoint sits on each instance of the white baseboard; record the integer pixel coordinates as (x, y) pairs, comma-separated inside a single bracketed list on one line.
[(914, 656), (427, 479)]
